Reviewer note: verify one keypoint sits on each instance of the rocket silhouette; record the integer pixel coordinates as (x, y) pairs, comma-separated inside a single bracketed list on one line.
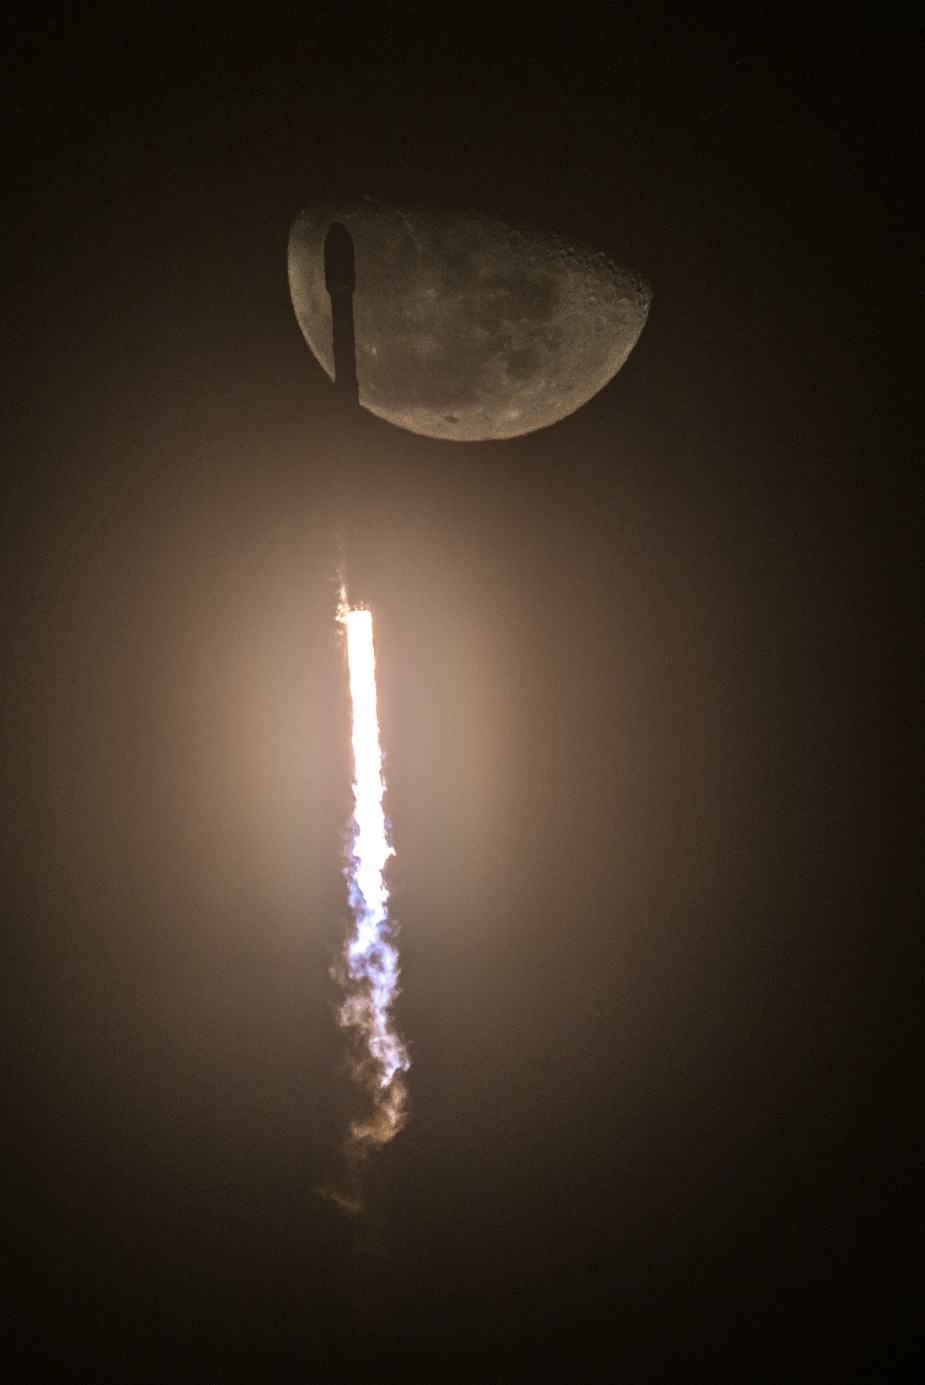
[(340, 282)]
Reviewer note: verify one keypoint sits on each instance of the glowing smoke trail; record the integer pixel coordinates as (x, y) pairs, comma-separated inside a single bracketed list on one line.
[(370, 963)]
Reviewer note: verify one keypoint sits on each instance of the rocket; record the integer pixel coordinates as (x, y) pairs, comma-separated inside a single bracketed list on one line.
[(340, 282)]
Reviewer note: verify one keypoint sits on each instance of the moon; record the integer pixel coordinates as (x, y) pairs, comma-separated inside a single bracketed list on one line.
[(466, 327)]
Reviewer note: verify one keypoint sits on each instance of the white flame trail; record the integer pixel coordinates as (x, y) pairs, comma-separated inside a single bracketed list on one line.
[(371, 958)]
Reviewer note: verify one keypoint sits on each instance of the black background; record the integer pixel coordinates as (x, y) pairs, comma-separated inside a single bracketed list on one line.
[(638, 696)]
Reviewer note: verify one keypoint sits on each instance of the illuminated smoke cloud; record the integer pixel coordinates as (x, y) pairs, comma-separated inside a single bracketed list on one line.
[(370, 963)]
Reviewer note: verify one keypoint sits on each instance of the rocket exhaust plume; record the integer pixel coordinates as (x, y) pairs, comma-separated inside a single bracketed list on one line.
[(368, 968), (369, 965)]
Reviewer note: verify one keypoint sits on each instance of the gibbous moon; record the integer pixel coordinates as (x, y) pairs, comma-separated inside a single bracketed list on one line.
[(468, 328)]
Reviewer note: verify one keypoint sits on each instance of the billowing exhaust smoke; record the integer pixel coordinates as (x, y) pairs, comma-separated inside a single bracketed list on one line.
[(369, 966)]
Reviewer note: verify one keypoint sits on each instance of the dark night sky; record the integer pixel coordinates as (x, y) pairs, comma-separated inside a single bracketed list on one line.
[(638, 681)]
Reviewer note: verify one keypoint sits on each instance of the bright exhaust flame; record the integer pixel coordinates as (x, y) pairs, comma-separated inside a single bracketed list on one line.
[(370, 959)]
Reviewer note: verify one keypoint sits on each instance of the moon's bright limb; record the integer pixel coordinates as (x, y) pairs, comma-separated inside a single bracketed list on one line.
[(466, 327)]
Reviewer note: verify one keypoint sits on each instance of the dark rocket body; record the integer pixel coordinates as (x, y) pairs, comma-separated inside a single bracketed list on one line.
[(340, 282)]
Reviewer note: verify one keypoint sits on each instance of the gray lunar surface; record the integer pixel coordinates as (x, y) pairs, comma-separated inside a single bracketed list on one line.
[(468, 328)]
